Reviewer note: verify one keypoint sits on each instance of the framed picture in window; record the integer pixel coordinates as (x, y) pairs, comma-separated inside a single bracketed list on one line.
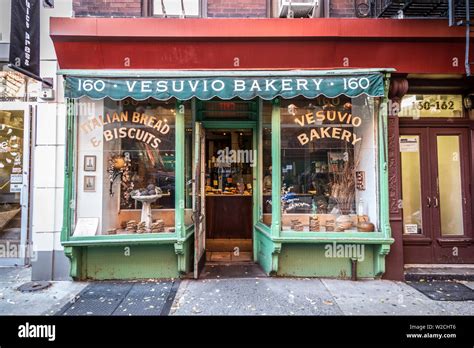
[(90, 163), (89, 183)]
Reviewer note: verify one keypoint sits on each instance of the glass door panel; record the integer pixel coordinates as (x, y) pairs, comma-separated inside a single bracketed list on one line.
[(411, 184), (450, 185), (14, 166)]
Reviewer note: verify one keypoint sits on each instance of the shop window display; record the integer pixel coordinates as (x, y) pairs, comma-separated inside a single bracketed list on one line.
[(126, 167), (328, 165)]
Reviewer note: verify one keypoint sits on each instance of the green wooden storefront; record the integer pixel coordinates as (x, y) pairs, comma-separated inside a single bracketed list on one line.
[(170, 255)]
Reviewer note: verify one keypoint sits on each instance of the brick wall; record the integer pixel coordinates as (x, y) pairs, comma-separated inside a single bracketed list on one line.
[(341, 8), (215, 8), (107, 8), (237, 8)]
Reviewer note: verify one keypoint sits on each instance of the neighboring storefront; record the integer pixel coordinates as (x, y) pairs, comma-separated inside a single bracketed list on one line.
[(18, 96), (435, 142), (203, 150)]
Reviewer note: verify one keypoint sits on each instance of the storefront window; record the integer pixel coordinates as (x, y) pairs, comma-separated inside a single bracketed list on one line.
[(266, 132), (126, 167), (328, 164), (431, 105)]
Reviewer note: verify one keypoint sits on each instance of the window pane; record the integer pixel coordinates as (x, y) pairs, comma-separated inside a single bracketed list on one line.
[(431, 105), (126, 167), (326, 144), (411, 184), (450, 186), (173, 8)]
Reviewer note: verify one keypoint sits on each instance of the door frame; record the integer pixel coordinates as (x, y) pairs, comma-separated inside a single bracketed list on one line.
[(25, 250), (465, 185), (253, 125), (427, 129)]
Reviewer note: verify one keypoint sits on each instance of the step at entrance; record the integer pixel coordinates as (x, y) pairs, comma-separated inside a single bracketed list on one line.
[(228, 245), (439, 272), (223, 270), (229, 250), (228, 256)]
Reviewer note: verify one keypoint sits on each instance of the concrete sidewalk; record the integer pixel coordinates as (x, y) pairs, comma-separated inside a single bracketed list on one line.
[(303, 296), (234, 296), (42, 302)]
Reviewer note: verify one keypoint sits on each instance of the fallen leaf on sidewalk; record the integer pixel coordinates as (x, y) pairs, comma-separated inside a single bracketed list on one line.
[(327, 302)]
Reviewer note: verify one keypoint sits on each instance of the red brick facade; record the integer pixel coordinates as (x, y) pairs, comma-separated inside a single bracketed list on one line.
[(215, 8), (237, 8), (107, 8), (341, 8)]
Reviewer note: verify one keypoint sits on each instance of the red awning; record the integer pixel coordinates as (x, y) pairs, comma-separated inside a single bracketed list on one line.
[(409, 46)]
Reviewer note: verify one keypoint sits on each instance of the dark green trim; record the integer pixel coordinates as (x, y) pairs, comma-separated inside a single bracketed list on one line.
[(229, 124), (180, 170), (104, 240), (69, 180), (276, 168)]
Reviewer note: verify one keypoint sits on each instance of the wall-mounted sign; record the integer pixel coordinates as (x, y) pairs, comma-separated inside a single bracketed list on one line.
[(14, 188), (226, 87), (411, 228), (409, 144), (25, 37), (16, 178), (431, 105)]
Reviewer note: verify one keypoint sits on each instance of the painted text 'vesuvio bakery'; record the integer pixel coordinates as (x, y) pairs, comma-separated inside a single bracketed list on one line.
[(275, 158)]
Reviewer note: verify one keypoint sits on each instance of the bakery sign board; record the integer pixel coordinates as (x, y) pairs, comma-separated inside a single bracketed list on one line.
[(140, 127), (232, 84)]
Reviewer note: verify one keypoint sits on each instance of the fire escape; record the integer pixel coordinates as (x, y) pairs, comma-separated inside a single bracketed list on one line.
[(458, 13)]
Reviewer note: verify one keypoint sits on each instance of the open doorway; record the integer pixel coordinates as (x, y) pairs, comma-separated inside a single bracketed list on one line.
[(230, 161), (225, 169)]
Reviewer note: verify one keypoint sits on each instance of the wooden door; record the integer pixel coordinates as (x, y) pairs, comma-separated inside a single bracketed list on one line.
[(436, 199)]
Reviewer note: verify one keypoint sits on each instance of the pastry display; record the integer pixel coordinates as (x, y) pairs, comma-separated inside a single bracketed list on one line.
[(365, 226), (343, 222), (131, 226), (313, 223), (157, 226), (141, 227), (296, 225), (330, 225), (112, 231), (149, 191)]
